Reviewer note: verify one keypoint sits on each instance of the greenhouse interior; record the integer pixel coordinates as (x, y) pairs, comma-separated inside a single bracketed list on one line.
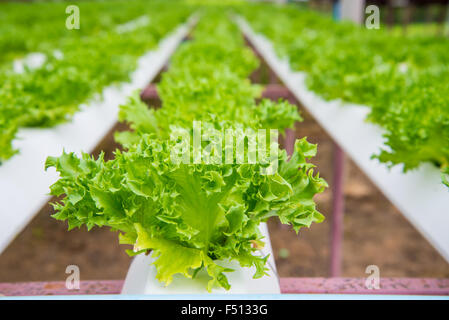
[(284, 149)]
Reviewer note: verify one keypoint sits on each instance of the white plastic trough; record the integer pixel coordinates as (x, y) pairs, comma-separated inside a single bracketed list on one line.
[(141, 278), (24, 185), (418, 194)]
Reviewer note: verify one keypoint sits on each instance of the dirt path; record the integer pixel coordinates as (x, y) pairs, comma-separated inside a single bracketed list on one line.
[(375, 232)]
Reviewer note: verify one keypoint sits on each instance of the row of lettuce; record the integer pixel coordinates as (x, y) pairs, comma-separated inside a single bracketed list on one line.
[(403, 79), (76, 63), (199, 210)]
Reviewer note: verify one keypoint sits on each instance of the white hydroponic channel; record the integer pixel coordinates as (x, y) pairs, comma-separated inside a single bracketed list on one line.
[(24, 185), (418, 194)]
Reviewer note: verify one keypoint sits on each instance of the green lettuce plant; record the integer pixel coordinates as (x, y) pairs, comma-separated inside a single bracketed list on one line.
[(402, 78), (88, 59), (195, 214)]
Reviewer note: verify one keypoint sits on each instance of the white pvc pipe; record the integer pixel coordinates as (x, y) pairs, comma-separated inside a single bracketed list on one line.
[(24, 185)]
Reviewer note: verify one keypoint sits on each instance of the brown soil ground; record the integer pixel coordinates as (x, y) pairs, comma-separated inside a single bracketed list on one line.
[(374, 233)]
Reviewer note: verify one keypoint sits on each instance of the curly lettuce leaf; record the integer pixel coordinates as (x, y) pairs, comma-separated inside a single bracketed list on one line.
[(198, 213)]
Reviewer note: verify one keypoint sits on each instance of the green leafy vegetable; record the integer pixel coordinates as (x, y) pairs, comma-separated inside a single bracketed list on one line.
[(79, 63), (403, 79), (194, 214)]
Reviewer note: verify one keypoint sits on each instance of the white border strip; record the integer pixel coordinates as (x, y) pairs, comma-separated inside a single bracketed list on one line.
[(418, 194), (251, 297), (24, 185)]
